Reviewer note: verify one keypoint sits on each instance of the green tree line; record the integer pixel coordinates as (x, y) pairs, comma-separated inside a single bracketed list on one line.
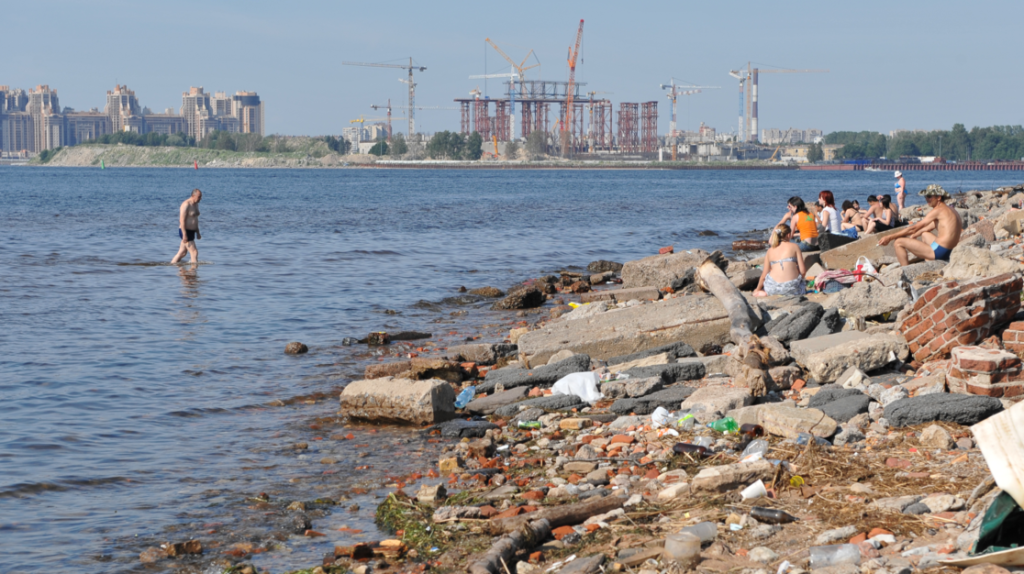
[(992, 143), (150, 139)]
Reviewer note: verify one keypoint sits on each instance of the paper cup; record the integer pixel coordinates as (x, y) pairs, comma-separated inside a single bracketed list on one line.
[(755, 490)]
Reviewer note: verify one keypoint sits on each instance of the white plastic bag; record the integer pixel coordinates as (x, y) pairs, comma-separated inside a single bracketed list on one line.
[(862, 268), (660, 417), (583, 385)]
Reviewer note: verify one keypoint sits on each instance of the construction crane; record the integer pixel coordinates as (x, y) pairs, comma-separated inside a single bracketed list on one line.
[(740, 75), (362, 121), (389, 107), (567, 124), (409, 82), (520, 67), (674, 91), (751, 80), (511, 98), (785, 138)]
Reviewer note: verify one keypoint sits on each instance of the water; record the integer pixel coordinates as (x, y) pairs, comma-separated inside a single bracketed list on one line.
[(141, 402)]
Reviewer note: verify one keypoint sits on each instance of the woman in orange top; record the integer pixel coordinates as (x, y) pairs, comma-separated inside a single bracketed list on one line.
[(801, 220)]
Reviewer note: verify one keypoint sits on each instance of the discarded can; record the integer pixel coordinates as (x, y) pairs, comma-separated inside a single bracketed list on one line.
[(687, 448), (532, 425), (772, 516), (751, 431)]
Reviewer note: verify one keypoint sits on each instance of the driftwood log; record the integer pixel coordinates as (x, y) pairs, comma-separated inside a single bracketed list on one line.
[(501, 552), (558, 515), (751, 354)]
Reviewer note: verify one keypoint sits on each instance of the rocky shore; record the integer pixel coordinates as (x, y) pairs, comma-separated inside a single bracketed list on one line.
[(665, 420)]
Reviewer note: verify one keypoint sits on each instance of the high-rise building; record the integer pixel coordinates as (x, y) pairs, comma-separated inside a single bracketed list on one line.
[(249, 110), (16, 132), (195, 108), (41, 100), (80, 127), (122, 106)]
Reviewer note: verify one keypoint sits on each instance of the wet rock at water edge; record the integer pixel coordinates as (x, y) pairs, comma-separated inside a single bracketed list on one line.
[(602, 266), (295, 348), (522, 297), (488, 291)]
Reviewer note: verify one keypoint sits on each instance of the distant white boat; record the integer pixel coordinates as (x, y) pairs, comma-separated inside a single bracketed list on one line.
[(871, 169)]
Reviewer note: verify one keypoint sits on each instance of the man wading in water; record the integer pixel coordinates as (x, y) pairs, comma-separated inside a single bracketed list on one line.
[(943, 220), (188, 228)]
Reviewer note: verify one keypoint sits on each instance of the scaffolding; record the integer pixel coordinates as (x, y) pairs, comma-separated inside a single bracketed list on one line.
[(482, 120), (466, 112), (629, 133), (501, 120), (649, 127), (601, 135)]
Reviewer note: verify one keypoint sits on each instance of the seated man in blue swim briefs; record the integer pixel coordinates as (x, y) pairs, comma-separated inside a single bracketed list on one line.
[(938, 232)]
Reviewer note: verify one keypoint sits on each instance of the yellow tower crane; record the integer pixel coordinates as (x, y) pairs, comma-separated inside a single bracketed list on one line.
[(521, 67)]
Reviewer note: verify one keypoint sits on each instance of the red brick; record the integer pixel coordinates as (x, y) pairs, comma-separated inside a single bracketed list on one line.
[(562, 531), (622, 438), (968, 338), (993, 280), (940, 301), (984, 390), (929, 296), (939, 315), (859, 538), (911, 322), (920, 328), (1013, 391), (878, 532)]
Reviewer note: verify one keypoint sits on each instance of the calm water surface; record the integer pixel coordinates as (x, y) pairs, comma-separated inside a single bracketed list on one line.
[(136, 398)]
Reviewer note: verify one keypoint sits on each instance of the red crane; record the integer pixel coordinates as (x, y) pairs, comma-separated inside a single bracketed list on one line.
[(567, 123)]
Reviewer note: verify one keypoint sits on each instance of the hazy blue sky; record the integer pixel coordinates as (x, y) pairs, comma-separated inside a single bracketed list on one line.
[(892, 64)]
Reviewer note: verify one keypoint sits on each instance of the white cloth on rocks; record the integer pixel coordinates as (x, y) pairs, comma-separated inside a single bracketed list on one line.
[(583, 385)]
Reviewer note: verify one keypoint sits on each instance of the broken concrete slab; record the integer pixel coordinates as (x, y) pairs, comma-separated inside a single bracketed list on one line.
[(868, 299), (632, 387), (720, 398), (831, 322), (746, 280), (830, 393), (660, 270), (669, 398), (696, 320), (788, 422), (459, 428), (968, 263), (487, 404), (659, 359), (479, 353), (512, 377), (845, 408), (550, 403), (797, 324), (688, 369), (675, 350), (785, 376), (727, 477), (827, 357), (960, 409), (845, 257), (391, 400), (622, 295)]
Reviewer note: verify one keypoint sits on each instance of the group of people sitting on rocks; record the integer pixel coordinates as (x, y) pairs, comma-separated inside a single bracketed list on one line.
[(783, 272)]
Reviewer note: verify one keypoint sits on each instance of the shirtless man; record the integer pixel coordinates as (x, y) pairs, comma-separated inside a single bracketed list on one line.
[(942, 219), (901, 190), (188, 228)]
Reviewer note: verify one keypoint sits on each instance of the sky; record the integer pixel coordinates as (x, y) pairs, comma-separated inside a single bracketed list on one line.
[(892, 65)]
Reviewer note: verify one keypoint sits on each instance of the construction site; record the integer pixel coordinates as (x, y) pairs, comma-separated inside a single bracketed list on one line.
[(580, 123)]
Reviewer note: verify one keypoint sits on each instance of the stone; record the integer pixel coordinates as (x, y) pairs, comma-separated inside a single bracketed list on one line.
[(746, 280), (492, 292), (896, 503), (661, 359), (674, 491), (586, 311), (830, 393), (673, 351), (461, 428), (868, 299), (669, 398), (450, 465), (632, 387), (960, 409), (479, 353), (853, 378), (848, 436), (487, 404), (958, 313), (917, 508), (836, 535), (827, 357), (574, 423), (512, 377), (560, 356), (579, 467), (521, 297), (912, 271), (727, 477), (788, 422), (696, 320), (785, 376), (453, 513), (432, 494), (831, 322), (389, 369), (846, 408), (622, 295), (845, 257), (526, 415), (295, 348), (797, 324), (746, 415), (966, 262), (660, 270), (425, 368), (942, 502), (394, 400), (586, 565), (762, 554), (549, 403), (985, 569), (718, 398), (893, 394), (602, 266), (777, 352), (515, 334), (685, 370), (937, 437)]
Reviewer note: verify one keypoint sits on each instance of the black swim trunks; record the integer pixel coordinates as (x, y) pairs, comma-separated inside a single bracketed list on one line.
[(190, 233)]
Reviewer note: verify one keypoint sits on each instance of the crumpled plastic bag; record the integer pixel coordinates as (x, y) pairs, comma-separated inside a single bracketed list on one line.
[(583, 385)]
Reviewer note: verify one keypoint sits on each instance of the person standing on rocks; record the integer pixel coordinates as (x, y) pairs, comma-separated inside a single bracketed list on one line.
[(188, 228), (783, 270), (943, 220), (901, 190)]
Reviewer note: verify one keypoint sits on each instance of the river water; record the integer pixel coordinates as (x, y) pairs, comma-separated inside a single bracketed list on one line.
[(143, 402)]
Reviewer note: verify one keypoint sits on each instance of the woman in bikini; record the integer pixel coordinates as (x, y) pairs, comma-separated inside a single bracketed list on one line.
[(852, 218), (783, 271), (886, 219)]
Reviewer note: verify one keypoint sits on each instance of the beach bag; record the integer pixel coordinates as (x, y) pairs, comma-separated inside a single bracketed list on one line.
[(862, 268)]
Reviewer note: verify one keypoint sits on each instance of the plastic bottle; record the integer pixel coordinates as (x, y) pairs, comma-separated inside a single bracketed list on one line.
[(755, 446), (682, 548), (687, 448), (771, 516), (834, 555), (465, 397), (705, 441), (726, 425), (532, 425), (751, 431), (706, 531), (686, 423)]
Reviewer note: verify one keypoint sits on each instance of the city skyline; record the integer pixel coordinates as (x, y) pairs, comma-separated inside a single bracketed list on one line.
[(904, 66)]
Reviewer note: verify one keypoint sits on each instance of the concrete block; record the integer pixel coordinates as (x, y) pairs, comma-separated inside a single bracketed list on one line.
[(622, 295), (391, 400)]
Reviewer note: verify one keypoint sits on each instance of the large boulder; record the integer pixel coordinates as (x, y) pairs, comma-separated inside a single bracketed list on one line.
[(868, 299), (960, 409), (512, 377), (660, 270), (603, 266), (391, 400), (827, 357), (972, 262), (959, 313), (696, 320)]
